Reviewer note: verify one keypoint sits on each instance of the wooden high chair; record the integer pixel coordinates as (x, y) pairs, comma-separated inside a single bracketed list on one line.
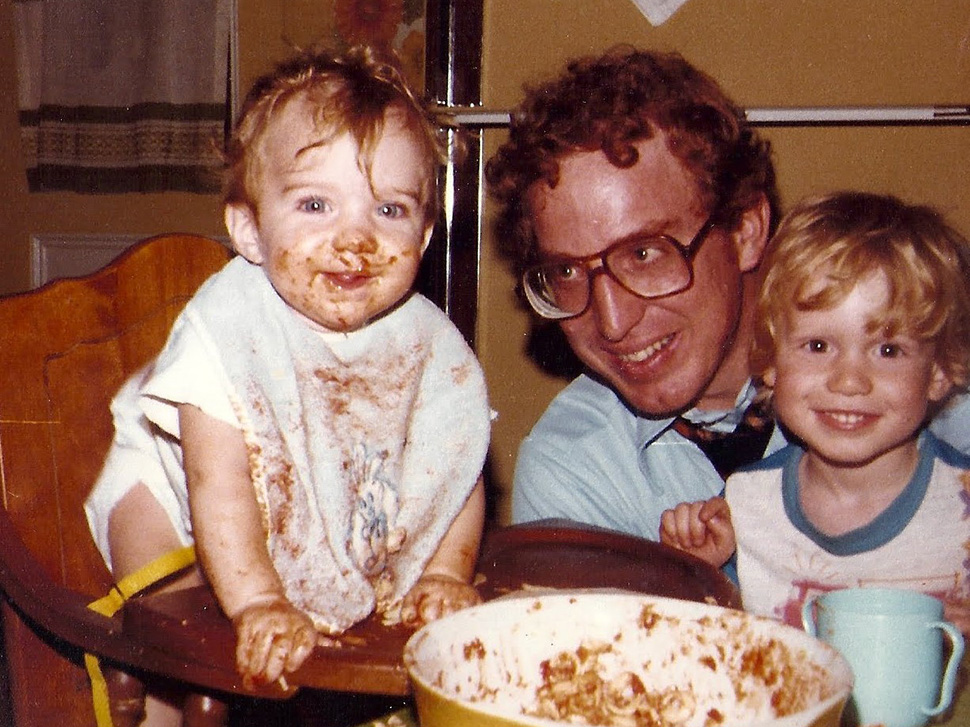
[(64, 351)]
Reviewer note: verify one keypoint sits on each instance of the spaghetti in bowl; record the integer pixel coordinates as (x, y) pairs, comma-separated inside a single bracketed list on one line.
[(621, 660)]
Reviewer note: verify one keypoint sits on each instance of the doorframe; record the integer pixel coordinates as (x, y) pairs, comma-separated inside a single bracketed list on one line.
[(453, 64)]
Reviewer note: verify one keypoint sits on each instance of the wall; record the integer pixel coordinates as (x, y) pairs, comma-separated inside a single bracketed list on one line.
[(765, 53), (23, 214), (266, 27)]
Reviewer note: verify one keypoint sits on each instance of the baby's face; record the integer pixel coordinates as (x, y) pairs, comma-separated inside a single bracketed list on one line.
[(340, 248)]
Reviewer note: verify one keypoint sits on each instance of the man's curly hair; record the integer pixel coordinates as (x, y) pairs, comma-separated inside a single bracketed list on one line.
[(610, 103)]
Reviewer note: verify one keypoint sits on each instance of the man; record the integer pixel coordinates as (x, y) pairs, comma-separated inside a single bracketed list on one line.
[(637, 206)]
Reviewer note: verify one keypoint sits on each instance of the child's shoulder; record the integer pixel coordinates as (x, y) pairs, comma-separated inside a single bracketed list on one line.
[(945, 452)]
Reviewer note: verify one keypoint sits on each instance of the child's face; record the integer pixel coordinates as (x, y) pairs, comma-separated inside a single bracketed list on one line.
[(850, 394), (340, 248)]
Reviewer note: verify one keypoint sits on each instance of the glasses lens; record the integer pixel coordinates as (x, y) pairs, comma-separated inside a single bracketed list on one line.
[(557, 290), (650, 267)]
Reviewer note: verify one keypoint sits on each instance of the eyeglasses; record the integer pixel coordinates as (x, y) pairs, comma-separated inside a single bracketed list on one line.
[(649, 267)]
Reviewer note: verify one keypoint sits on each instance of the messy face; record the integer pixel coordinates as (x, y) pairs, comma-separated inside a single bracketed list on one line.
[(662, 355), (339, 242), (850, 390)]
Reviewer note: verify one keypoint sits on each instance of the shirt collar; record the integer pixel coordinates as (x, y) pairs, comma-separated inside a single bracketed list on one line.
[(717, 420)]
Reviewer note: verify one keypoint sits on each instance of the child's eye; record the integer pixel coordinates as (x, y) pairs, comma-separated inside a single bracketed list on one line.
[(816, 345), (392, 210), (314, 204), (890, 350)]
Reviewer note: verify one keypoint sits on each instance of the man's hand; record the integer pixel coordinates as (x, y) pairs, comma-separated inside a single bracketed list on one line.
[(702, 529), (271, 638), (434, 596)]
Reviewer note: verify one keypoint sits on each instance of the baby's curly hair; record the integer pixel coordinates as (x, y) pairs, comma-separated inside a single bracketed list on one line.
[(843, 237), (350, 93), (608, 104)]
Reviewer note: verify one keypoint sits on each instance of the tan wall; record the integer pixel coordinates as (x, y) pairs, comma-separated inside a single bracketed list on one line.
[(765, 53)]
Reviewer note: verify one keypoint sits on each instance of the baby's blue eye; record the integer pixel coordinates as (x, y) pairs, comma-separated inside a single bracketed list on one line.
[(389, 209)]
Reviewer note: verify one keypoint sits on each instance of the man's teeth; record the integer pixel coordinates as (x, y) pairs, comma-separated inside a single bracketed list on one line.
[(646, 353)]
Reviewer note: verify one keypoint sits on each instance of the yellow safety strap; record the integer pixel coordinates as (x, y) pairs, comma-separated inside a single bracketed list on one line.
[(130, 585)]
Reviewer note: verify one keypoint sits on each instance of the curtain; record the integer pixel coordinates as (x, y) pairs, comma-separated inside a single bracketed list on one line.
[(123, 95)]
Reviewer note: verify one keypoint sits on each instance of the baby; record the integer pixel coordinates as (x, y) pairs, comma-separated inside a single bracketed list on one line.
[(862, 334), (313, 426)]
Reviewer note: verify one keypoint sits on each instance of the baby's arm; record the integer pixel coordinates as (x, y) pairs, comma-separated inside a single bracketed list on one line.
[(272, 636), (445, 586), (701, 528)]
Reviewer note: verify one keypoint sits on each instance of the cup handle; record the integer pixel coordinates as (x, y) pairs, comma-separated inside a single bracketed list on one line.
[(950, 673), (808, 615)]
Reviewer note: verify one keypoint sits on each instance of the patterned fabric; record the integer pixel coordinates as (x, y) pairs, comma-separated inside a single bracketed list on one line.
[(729, 451), (122, 97)]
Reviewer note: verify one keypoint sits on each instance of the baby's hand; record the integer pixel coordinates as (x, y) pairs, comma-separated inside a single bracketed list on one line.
[(434, 596), (957, 612), (271, 638), (702, 529)]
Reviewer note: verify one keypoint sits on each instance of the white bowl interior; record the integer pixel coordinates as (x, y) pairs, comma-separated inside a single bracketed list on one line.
[(589, 655)]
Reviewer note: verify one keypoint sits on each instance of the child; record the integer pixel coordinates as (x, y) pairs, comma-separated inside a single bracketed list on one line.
[(862, 333), (314, 427)]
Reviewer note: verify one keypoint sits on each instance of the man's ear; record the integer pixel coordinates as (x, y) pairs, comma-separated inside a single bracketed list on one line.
[(751, 235), (244, 232), (769, 377)]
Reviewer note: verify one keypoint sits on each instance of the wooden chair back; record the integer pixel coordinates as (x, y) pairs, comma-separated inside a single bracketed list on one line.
[(64, 351)]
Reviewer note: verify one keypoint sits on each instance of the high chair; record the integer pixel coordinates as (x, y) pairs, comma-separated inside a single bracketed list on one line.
[(64, 351)]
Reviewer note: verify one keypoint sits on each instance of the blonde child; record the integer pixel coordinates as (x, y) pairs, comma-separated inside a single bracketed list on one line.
[(314, 427), (862, 334)]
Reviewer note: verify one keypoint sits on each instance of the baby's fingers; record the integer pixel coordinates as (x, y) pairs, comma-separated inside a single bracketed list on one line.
[(264, 658), (272, 639), (304, 641), (254, 653), (437, 604)]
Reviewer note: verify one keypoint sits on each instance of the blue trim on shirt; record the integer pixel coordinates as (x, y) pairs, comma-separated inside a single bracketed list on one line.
[(885, 526), (774, 461)]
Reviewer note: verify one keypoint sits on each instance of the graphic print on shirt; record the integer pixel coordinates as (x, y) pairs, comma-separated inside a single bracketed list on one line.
[(374, 532)]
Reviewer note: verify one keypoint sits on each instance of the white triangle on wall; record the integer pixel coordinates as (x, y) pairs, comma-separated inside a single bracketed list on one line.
[(657, 11)]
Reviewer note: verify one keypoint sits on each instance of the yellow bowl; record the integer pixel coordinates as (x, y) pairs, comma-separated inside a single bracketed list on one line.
[(618, 658)]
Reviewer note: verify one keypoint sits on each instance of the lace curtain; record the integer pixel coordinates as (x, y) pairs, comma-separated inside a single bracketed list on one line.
[(126, 96)]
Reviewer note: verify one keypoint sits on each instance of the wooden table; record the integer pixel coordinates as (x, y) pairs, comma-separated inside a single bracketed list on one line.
[(367, 658)]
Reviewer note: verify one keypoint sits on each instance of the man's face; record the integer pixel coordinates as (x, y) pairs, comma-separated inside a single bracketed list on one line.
[(666, 354)]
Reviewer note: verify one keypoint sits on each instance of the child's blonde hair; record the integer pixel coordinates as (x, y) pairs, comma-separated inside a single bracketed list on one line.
[(350, 93), (844, 237)]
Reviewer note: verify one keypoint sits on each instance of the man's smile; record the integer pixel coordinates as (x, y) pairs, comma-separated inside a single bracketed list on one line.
[(644, 354)]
